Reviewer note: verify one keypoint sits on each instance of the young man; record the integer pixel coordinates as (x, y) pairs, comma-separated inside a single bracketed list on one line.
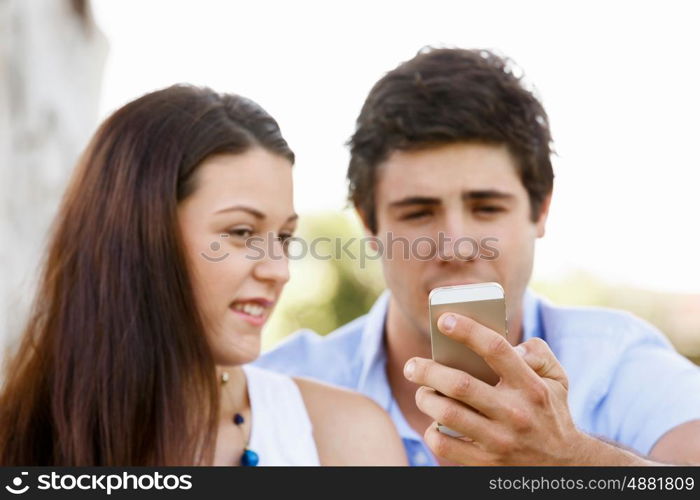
[(450, 146)]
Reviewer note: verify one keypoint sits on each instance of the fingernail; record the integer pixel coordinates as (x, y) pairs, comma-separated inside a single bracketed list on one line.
[(409, 369), (449, 322), (521, 349)]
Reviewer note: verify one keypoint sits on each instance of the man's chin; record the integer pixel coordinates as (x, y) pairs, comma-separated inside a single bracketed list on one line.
[(456, 282)]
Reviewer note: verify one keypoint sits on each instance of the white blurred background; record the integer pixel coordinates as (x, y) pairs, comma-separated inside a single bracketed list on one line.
[(619, 80)]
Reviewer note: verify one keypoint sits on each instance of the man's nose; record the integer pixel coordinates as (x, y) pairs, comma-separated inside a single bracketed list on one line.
[(459, 240), (453, 231)]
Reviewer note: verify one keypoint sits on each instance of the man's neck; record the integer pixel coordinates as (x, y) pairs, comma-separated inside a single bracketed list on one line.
[(404, 341)]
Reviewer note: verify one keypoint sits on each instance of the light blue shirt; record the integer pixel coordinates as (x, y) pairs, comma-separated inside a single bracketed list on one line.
[(626, 381)]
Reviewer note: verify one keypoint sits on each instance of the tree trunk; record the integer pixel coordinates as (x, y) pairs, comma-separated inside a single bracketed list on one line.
[(51, 60)]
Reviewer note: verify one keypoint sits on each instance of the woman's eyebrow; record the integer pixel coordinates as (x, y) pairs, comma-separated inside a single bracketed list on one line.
[(252, 211)]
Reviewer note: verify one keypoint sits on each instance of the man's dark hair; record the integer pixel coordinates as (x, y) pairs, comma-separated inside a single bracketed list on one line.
[(444, 96)]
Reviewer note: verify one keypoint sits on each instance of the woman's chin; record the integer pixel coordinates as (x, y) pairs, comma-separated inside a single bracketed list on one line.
[(245, 351), (234, 344)]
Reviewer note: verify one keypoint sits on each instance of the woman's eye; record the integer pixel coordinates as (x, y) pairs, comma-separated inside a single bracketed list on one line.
[(284, 237), (241, 232)]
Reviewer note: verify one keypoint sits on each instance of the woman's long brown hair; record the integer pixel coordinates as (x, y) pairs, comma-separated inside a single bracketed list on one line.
[(114, 368)]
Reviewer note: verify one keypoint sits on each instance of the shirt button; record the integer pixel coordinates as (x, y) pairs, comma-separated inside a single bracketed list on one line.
[(420, 458)]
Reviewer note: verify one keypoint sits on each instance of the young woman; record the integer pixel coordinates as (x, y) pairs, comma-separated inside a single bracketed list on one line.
[(152, 299)]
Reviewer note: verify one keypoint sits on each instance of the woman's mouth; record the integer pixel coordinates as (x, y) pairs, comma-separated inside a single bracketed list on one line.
[(254, 311)]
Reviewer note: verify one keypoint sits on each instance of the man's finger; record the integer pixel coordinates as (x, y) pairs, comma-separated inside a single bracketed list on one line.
[(455, 449), (454, 415), (493, 347), (454, 383), (537, 354)]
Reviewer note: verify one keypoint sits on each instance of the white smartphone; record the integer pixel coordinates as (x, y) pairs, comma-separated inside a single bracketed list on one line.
[(482, 302)]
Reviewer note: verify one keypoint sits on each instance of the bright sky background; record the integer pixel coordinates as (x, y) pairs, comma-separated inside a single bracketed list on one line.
[(620, 81)]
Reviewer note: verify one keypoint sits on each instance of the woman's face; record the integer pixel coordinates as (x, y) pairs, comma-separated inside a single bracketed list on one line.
[(233, 226)]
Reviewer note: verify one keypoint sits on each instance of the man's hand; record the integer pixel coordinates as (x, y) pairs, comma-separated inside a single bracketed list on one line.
[(522, 420)]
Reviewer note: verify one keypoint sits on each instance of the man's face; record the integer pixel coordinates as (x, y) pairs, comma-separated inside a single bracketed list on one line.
[(462, 190)]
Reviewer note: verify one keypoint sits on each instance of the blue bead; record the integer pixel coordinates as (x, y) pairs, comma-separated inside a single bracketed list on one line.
[(249, 458), (238, 419)]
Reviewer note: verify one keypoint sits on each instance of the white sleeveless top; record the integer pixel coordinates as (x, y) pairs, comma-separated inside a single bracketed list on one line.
[(280, 432)]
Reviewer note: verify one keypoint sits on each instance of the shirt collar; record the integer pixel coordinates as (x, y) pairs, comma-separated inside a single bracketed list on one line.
[(373, 380), (532, 323)]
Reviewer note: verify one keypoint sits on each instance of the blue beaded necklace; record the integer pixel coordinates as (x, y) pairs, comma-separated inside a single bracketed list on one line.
[(249, 458)]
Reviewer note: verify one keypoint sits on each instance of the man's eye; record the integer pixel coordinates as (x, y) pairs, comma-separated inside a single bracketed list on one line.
[(489, 209), (416, 215)]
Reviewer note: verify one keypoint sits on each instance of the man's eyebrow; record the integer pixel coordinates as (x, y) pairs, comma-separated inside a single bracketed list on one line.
[(480, 194), (415, 200), (485, 194), (243, 208)]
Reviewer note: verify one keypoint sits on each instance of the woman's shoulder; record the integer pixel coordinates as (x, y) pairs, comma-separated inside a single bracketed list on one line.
[(349, 428)]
